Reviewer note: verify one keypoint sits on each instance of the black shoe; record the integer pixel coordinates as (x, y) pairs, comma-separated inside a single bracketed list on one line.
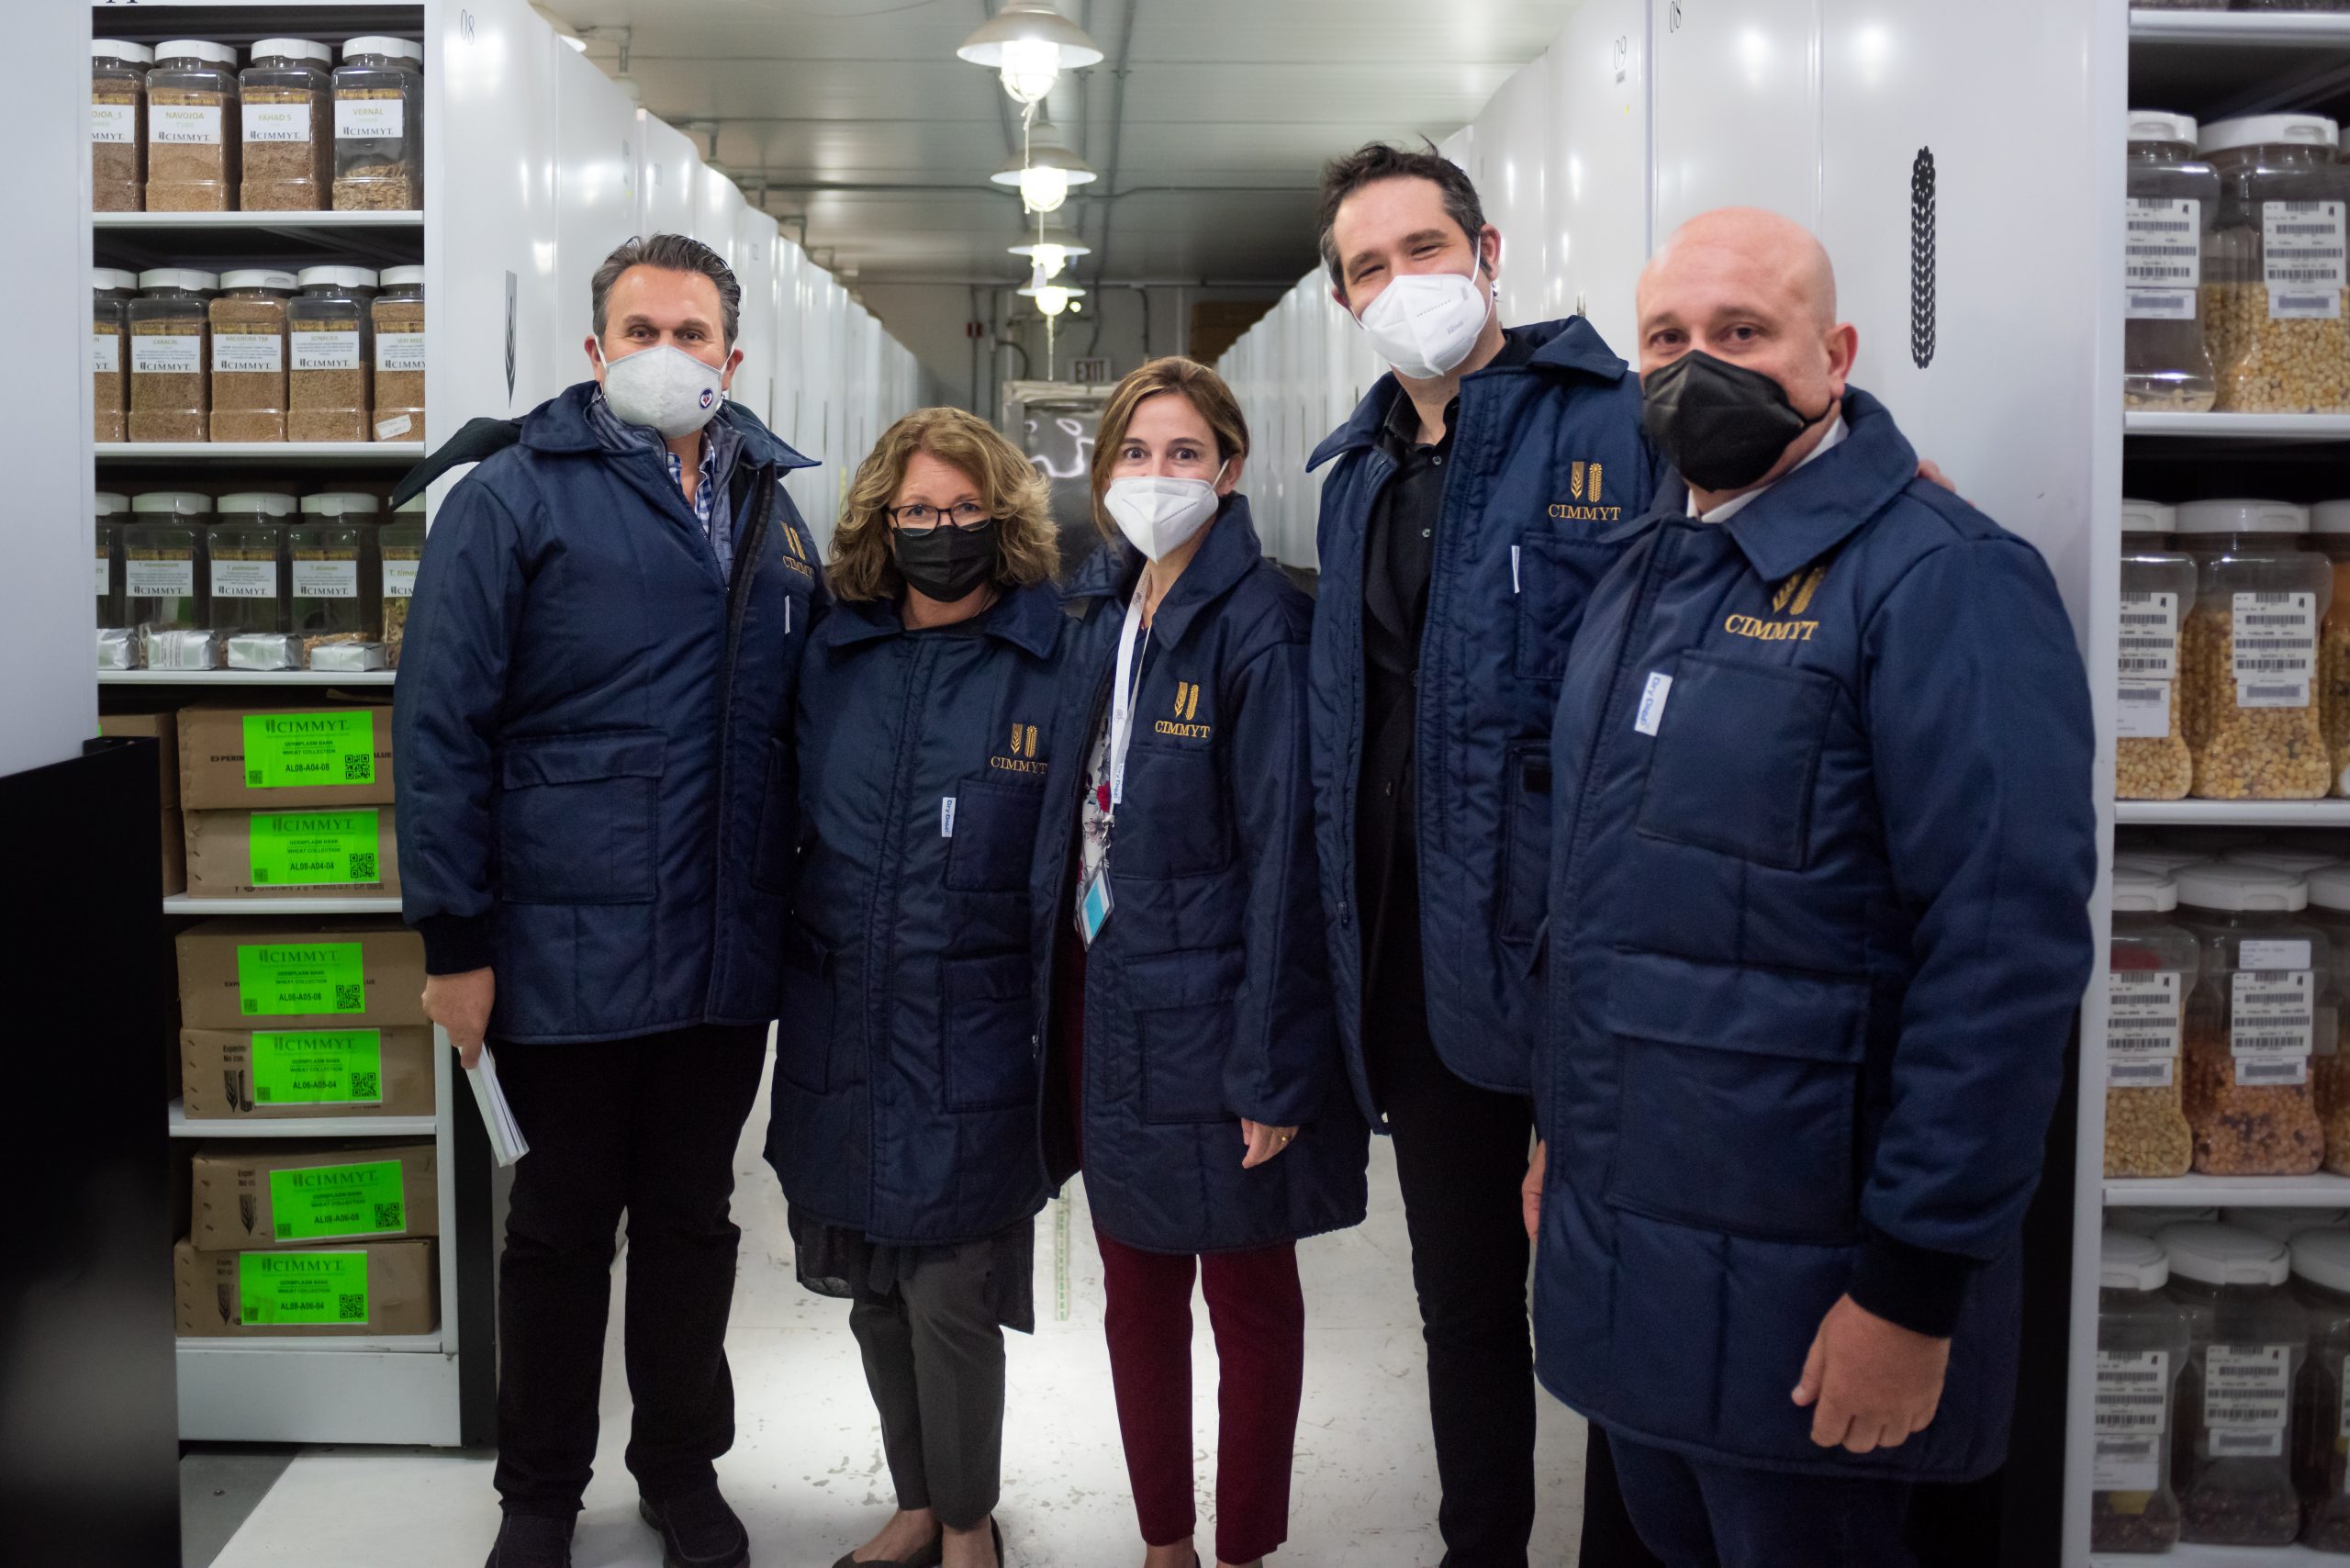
[(698, 1530), (532, 1540)]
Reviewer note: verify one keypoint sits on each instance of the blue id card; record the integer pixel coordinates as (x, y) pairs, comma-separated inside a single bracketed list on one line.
[(1093, 905)]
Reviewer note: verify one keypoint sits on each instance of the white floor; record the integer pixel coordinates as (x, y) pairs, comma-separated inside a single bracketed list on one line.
[(807, 1475)]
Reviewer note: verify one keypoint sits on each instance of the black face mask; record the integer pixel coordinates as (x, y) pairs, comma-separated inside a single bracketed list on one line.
[(947, 563), (1721, 425)]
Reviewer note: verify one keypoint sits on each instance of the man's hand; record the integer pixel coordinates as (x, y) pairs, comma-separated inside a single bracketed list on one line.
[(1529, 1191), (1870, 1384), (460, 1004)]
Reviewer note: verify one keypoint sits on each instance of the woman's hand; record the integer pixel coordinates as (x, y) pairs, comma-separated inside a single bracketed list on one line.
[(1263, 1142)]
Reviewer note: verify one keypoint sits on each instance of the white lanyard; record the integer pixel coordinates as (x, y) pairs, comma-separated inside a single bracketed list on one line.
[(1121, 699)]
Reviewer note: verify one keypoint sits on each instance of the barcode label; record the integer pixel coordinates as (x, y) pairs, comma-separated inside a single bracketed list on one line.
[(2247, 1389), (2141, 711), (2127, 1463), (2271, 1024), (2238, 1444), (2162, 259), (2274, 649), (2150, 635), (2132, 1392), (2143, 1013)]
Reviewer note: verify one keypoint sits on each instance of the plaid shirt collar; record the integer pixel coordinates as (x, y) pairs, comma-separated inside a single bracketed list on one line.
[(720, 443)]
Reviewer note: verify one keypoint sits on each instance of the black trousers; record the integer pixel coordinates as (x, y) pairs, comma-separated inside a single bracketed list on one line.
[(647, 1127), (933, 1360)]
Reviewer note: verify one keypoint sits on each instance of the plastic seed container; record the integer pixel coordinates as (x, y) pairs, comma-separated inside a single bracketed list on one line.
[(289, 127), (2151, 1221), (2174, 202), (2262, 997), (336, 578), (2330, 532), (2154, 967), (111, 512), (379, 126), (398, 316), (119, 123), (402, 541), (251, 579), (247, 320), (2283, 1225), (192, 129), (2321, 1281), (2247, 1338), (167, 590), (2142, 1345), (2248, 652), (111, 293), (2274, 273), (2329, 912), (171, 353), (331, 348), (2151, 758)]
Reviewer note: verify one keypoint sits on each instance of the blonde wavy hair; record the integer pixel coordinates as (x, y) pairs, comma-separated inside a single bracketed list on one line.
[(1202, 387), (1015, 493)]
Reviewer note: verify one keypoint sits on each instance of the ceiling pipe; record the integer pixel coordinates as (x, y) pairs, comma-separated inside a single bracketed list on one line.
[(1110, 170)]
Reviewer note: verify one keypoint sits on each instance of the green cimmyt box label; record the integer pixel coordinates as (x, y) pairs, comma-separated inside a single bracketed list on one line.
[(310, 849), (302, 1288), (329, 1201), (338, 1067), (285, 751), (281, 980)]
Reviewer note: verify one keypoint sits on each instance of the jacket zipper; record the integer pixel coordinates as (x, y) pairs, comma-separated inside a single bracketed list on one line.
[(738, 598)]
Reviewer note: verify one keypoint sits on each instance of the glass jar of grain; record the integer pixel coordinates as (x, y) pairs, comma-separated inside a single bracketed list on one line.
[(331, 354), (248, 320), (170, 342), (288, 94), (119, 123), (192, 133)]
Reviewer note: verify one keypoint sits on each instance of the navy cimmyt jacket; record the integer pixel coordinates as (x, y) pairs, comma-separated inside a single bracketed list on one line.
[(1207, 995), (1818, 926), (908, 1075), (1547, 457), (595, 795)]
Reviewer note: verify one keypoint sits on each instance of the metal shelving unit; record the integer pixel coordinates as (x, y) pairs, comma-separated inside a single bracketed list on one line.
[(2232, 813), (2320, 1191), (303, 1127), (249, 680), (276, 454)]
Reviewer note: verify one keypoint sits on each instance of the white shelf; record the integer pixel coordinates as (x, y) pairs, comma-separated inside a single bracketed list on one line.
[(379, 1344), (102, 221), (329, 1390), (2232, 813), (2250, 29), (302, 1126), (243, 677), (2186, 1556), (181, 904), (2322, 1191), (2241, 427), (308, 452)]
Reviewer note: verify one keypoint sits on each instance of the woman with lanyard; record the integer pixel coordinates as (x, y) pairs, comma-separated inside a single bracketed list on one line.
[(1182, 960), (907, 1080)]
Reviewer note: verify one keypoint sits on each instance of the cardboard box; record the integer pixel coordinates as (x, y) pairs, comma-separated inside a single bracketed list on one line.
[(233, 1295), (311, 1193), (175, 850), (307, 1073), (310, 853), (164, 729), (294, 973), (334, 749)]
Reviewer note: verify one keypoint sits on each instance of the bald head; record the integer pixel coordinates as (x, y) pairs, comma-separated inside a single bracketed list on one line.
[(1769, 255)]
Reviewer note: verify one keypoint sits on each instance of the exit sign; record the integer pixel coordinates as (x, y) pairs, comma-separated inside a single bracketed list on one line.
[(1089, 371)]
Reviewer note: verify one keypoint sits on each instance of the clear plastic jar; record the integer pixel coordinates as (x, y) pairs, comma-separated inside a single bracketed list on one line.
[(171, 355), (251, 587), (379, 126), (2247, 1338), (2172, 205), (167, 590), (398, 314), (2250, 703), (248, 320), (2151, 1221), (2154, 968), (2159, 858), (111, 293), (110, 512), (331, 350), (402, 541), (2150, 759), (338, 575), (2322, 1282), (2274, 276), (2283, 1225), (2329, 912), (2330, 532), (2262, 997), (192, 133), (2142, 1345), (119, 123), (289, 127)]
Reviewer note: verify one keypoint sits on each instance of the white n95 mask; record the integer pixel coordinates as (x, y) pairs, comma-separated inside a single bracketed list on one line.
[(663, 387), (1159, 514), (1425, 323)]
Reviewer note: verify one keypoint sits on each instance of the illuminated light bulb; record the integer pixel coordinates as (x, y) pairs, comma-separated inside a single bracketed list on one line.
[(1052, 298), (1044, 190), (1031, 66)]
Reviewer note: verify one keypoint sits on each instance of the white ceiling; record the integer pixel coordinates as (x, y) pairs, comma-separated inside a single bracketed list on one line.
[(856, 114)]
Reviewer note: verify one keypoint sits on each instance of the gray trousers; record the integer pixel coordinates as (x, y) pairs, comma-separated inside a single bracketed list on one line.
[(933, 1359)]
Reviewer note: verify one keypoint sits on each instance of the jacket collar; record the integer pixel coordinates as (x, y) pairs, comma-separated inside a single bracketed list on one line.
[(1028, 618), (1230, 552), (1571, 347), (561, 425)]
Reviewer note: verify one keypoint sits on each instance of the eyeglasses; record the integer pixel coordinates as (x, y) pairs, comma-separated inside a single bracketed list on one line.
[(919, 518)]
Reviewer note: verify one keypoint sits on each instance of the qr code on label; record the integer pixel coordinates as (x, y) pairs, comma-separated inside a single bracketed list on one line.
[(285, 1230), (349, 999), (362, 868), (388, 1218), (362, 1086), (252, 777), (358, 767), (350, 1308)]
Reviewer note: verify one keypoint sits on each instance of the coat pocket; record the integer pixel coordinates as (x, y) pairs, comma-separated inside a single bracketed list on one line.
[(1526, 871), (809, 1011), (989, 1033), (1554, 576), (776, 848), (995, 836), (1736, 756), (1738, 1093), (1174, 821), (578, 817), (1183, 1020)]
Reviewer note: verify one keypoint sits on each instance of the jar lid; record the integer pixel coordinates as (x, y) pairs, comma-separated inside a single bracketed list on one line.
[(183, 503), (107, 503), (2127, 1262), (340, 277), (334, 503), (2147, 516), (2148, 1222), (398, 48), (2242, 516), (2329, 887), (2283, 1225), (2300, 862), (195, 49), (401, 277), (2156, 859), (2223, 1255), (2322, 1256), (2143, 889), (188, 278), (291, 48), (123, 49), (2221, 885), (112, 277), (259, 278), (271, 503), (2268, 130), (2330, 516), (2145, 125)]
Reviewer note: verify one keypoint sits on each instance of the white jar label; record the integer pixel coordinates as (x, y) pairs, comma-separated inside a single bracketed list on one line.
[(328, 351), (399, 353), (399, 578), (243, 579), (2141, 710), (105, 354), (159, 579), (2271, 1027), (2163, 259), (105, 574), (167, 354), (2271, 953), (2274, 649), (2133, 1403), (2247, 1398), (2302, 259), (277, 122), (2150, 637), (117, 123), (370, 119), (2141, 1029), (184, 125), (326, 579), (248, 354)]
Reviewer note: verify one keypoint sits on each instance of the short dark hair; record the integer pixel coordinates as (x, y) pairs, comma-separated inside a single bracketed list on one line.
[(1377, 161), (671, 253)]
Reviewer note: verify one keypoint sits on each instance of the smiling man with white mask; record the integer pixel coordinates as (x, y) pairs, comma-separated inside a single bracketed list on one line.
[(597, 842)]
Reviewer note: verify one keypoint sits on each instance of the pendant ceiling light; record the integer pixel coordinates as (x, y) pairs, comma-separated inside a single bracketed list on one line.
[(1054, 246), (1030, 44), (1052, 298), (1043, 178)]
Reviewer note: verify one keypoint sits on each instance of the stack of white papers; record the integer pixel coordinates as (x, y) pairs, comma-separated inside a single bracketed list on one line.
[(506, 1140)]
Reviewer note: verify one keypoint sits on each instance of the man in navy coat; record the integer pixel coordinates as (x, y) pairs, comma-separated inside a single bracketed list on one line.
[(1818, 929)]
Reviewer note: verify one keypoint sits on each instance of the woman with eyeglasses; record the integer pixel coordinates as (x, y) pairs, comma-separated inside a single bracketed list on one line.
[(1180, 944), (907, 1080)]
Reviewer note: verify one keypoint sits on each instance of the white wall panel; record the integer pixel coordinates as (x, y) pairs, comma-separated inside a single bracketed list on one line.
[(597, 151), (1596, 81), (667, 198), (1738, 109), (757, 239), (1512, 176)]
